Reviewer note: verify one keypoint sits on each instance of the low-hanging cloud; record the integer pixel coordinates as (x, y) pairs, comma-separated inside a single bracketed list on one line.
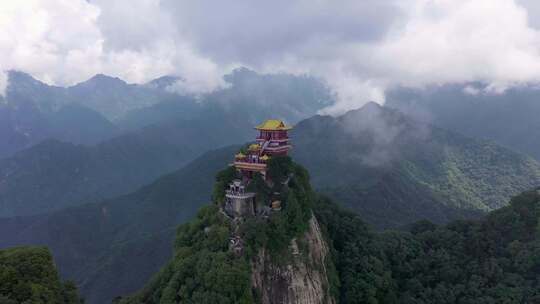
[(65, 42), (361, 48)]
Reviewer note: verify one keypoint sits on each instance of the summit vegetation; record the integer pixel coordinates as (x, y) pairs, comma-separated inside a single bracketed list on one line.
[(204, 269), (28, 276)]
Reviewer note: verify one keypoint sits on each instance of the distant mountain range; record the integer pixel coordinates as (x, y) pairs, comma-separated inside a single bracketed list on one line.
[(33, 111), (509, 118), (53, 175), (155, 140), (104, 107), (393, 170), (386, 166), (109, 96), (31, 114)]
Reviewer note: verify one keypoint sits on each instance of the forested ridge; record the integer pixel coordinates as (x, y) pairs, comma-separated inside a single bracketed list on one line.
[(28, 276), (418, 171), (492, 260), (204, 269)]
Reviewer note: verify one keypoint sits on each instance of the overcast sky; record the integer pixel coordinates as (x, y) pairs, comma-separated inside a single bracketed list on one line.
[(360, 47)]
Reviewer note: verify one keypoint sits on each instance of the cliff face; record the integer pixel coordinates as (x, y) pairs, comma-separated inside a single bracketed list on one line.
[(302, 279)]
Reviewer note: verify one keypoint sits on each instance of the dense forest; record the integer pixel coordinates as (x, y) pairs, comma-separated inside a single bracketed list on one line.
[(492, 260), (28, 276)]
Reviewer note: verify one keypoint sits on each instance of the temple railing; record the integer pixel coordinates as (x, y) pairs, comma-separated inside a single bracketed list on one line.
[(248, 160), (272, 139)]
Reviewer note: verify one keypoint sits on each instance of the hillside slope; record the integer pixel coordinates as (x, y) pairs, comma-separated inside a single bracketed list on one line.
[(393, 169), (112, 247), (28, 275), (24, 125), (493, 260), (53, 175), (509, 118)]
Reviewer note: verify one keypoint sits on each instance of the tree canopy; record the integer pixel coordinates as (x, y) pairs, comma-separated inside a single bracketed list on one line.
[(28, 276)]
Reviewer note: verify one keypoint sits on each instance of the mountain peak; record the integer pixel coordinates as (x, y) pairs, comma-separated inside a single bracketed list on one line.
[(369, 110), (370, 105), (163, 82), (19, 77), (240, 74), (102, 78)]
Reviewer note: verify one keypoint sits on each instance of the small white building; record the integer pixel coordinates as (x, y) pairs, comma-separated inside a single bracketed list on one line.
[(238, 202)]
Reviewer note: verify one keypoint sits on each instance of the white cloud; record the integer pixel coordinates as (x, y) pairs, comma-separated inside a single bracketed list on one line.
[(44, 38), (455, 41), (67, 41), (533, 11), (3, 84), (361, 48), (471, 90)]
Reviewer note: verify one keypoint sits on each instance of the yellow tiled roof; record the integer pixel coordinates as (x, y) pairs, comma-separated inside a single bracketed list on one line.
[(265, 157), (273, 125), (254, 147), (240, 155)]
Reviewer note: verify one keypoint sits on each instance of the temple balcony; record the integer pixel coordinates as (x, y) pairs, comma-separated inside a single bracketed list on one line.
[(277, 144), (250, 166), (239, 195), (280, 140), (270, 148)]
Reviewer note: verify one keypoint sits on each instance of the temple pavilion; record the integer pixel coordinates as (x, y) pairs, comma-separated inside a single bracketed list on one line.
[(272, 140)]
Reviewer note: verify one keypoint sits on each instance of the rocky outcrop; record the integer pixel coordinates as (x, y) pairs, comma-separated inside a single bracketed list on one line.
[(302, 279)]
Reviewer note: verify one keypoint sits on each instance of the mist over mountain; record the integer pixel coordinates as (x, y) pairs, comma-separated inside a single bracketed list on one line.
[(509, 118), (250, 96), (33, 111), (113, 97), (163, 82), (155, 140), (393, 169), (104, 107)]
